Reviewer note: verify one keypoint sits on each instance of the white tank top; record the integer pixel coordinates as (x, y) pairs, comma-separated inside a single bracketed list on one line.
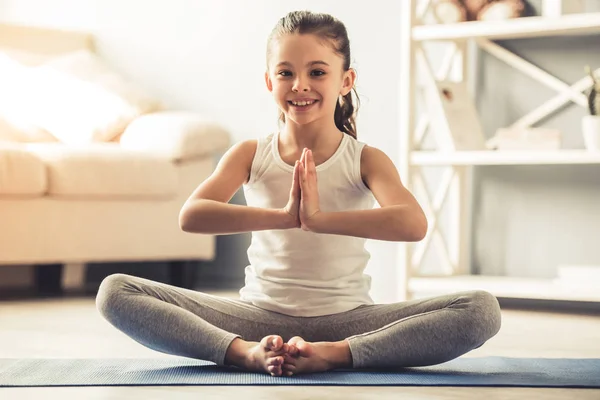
[(301, 273)]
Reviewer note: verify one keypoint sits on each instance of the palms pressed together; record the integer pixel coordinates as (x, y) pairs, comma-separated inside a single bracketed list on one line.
[(303, 203)]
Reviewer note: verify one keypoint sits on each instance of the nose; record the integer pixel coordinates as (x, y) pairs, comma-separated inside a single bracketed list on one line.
[(300, 85)]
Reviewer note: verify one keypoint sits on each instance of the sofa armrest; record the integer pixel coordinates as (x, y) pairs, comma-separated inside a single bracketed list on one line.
[(178, 135)]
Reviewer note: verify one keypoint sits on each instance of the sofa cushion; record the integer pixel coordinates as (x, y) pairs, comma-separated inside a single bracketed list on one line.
[(21, 173), (179, 135), (105, 170), (76, 97)]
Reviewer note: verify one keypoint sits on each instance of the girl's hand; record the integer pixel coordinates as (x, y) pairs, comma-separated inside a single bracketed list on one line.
[(292, 208), (309, 192)]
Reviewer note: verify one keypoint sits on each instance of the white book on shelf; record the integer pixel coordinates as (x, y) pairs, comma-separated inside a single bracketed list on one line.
[(453, 117)]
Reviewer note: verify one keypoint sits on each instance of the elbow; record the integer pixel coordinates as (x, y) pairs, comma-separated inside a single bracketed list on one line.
[(415, 231), (420, 228), (186, 219)]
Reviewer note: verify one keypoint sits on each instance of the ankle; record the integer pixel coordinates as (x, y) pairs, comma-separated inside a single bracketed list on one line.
[(237, 352), (347, 354), (341, 357)]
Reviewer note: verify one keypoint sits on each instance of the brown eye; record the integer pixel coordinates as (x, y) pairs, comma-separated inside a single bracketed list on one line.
[(317, 72)]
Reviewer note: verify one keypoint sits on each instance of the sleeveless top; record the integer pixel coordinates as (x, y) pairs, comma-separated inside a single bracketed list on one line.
[(301, 273)]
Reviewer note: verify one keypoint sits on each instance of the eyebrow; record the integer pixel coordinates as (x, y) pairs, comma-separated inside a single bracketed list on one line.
[(309, 64)]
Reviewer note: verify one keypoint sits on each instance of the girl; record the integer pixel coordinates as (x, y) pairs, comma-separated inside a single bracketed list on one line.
[(305, 306)]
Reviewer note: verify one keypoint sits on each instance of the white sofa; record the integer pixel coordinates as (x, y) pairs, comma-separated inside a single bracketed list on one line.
[(103, 202)]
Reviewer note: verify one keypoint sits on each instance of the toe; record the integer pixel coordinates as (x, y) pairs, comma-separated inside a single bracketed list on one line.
[(289, 359), (274, 370), (295, 340), (275, 360), (302, 347), (276, 343), (292, 351), (289, 367), (272, 342)]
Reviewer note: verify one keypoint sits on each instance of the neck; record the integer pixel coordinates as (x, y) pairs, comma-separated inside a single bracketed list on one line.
[(312, 136)]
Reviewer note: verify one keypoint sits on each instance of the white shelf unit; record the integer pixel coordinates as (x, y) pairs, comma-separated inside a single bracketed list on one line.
[(503, 157), (574, 24), (455, 181), (507, 287)]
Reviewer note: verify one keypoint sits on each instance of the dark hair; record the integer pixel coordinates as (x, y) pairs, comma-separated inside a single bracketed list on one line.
[(326, 27)]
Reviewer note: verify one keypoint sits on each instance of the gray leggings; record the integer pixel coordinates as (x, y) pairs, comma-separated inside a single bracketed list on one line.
[(201, 326)]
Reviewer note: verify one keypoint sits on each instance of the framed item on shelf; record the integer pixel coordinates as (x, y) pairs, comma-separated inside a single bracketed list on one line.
[(556, 8), (453, 116)]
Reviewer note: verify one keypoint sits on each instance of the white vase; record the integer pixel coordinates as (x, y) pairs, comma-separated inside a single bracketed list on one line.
[(590, 126)]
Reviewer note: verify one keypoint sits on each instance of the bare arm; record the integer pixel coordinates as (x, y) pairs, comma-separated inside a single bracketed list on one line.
[(208, 211), (399, 218)]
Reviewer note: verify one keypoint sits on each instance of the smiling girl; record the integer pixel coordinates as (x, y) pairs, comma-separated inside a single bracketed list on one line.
[(310, 190)]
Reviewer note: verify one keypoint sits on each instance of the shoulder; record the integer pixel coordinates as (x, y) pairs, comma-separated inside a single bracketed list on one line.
[(373, 162), (239, 156), (244, 150), (372, 158)]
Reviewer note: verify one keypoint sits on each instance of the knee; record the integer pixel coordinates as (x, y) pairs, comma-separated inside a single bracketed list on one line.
[(109, 292), (486, 317)]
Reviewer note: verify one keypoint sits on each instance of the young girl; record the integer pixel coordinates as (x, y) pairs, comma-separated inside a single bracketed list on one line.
[(310, 190)]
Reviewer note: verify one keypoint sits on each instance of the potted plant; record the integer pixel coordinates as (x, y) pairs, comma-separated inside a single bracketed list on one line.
[(591, 123)]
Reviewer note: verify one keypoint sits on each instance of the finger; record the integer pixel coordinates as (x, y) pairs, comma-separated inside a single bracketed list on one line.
[(295, 183), (305, 164), (311, 163), (301, 174)]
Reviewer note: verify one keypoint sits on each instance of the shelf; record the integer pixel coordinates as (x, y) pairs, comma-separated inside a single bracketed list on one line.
[(525, 27), (504, 157), (505, 287)]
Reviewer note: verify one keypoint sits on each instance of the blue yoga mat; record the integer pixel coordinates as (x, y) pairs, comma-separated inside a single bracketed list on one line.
[(488, 371)]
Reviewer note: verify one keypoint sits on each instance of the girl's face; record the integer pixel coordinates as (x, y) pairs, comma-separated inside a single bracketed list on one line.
[(306, 78)]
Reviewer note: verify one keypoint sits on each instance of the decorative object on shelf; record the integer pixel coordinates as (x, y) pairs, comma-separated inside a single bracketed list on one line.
[(449, 11), (525, 139), (556, 8), (502, 10), (473, 8), (454, 118), (453, 11), (590, 124)]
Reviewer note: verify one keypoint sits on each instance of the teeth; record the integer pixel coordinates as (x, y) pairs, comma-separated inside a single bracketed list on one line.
[(302, 103)]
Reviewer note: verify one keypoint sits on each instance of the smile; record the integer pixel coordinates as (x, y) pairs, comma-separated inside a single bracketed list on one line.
[(304, 103)]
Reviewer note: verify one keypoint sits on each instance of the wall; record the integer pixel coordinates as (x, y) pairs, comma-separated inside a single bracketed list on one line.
[(209, 56)]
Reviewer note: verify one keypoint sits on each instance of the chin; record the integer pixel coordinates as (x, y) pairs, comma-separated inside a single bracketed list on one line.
[(302, 121)]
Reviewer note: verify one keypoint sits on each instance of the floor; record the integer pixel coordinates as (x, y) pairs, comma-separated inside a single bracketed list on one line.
[(72, 328)]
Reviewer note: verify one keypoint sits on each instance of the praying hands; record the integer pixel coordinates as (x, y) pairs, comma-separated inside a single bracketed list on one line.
[(303, 204)]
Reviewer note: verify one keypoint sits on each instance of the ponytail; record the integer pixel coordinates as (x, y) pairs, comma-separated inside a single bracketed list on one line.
[(345, 113)]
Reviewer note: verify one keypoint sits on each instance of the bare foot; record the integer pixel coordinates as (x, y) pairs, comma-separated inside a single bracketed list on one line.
[(305, 357), (266, 356)]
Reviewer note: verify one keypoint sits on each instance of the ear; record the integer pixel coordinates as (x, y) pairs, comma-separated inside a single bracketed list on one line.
[(348, 81), (268, 81)]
